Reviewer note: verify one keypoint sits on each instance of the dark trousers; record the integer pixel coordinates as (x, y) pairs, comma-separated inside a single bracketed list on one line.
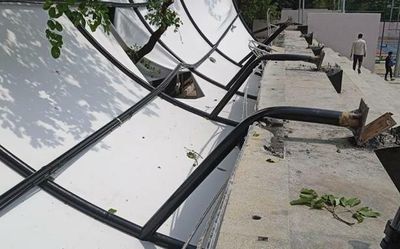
[(357, 59), (388, 70)]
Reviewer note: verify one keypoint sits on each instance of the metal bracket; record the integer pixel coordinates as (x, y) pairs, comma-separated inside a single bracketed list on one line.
[(366, 132), (335, 75), (303, 29), (309, 38), (379, 125), (320, 60), (317, 49)]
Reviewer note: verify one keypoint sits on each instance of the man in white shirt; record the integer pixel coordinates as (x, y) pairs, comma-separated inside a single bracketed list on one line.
[(358, 51)]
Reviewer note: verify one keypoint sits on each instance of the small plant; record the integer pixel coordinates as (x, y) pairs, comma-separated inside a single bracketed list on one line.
[(331, 203), (193, 155), (112, 211)]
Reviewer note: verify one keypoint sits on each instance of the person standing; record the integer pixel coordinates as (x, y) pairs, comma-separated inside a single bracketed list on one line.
[(388, 65), (358, 52)]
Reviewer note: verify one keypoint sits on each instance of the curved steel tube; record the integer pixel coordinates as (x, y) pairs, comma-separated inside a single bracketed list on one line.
[(45, 172), (243, 21), (249, 69), (177, 57), (223, 149), (147, 86), (270, 39), (205, 37)]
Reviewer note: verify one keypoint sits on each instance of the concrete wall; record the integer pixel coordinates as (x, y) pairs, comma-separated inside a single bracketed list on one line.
[(286, 13), (338, 31)]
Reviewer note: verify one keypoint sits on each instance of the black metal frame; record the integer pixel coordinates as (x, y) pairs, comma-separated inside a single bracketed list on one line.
[(235, 85), (268, 40), (86, 207), (389, 158), (225, 146), (45, 172), (43, 177), (141, 18), (147, 86), (243, 21), (148, 231)]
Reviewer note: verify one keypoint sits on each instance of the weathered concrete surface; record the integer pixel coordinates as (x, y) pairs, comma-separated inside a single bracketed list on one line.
[(317, 156)]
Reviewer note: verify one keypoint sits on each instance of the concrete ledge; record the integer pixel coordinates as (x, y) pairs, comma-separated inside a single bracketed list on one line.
[(317, 156), (260, 189)]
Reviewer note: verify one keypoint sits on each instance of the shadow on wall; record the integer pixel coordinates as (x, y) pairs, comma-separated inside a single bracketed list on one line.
[(50, 101)]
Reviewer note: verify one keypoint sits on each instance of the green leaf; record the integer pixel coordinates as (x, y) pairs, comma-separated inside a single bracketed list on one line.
[(358, 217), (51, 24), (343, 202), (301, 201), (331, 200), (112, 211), (58, 26), (310, 192), (55, 52), (337, 202), (191, 155), (368, 212), (47, 5), (352, 202), (317, 203), (52, 12)]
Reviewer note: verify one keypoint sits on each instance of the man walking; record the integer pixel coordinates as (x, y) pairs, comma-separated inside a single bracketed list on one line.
[(358, 51)]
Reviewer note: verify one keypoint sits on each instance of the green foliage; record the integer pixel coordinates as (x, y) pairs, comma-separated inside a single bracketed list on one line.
[(92, 13), (112, 211), (161, 16), (329, 202), (193, 155), (258, 9)]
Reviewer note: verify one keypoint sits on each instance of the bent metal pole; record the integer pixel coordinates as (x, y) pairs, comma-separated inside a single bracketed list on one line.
[(351, 120)]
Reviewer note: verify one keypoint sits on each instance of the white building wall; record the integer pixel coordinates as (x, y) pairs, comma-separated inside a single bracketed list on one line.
[(338, 31)]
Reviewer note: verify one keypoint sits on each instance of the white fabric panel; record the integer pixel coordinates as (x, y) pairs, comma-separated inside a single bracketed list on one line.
[(137, 167), (218, 69), (8, 178), (48, 105), (46, 223), (133, 32), (213, 17), (113, 47), (130, 28), (236, 109), (235, 43)]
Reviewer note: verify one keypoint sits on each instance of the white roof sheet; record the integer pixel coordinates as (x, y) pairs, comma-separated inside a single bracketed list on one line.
[(48, 106)]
